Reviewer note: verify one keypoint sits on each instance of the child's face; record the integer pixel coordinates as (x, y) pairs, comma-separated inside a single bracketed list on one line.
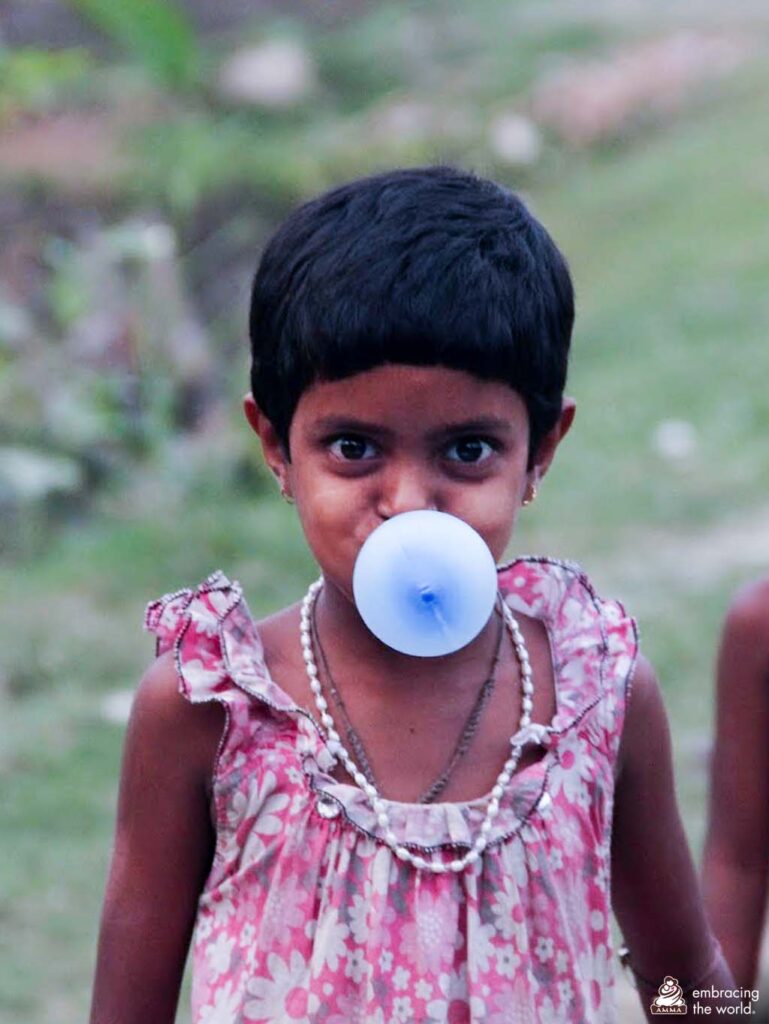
[(398, 438)]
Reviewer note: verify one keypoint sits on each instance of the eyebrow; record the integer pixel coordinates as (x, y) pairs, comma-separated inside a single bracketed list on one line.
[(348, 423), (482, 425), (485, 424)]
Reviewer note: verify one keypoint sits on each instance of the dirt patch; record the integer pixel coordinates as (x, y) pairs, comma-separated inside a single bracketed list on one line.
[(699, 559), (78, 152), (589, 102)]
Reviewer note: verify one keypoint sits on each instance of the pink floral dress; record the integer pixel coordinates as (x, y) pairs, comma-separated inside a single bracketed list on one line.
[(307, 915)]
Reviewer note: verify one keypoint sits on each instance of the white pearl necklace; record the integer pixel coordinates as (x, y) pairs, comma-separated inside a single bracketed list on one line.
[(338, 750)]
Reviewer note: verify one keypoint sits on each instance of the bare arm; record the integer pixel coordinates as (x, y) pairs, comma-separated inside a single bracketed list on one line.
[(736, 861), (655, 893), (162, 853)]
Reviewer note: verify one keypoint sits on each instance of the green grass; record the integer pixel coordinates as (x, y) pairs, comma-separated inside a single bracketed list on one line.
[(668, 238)]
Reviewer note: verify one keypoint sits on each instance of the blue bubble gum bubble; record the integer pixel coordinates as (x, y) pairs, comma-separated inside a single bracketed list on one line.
[(425, 583)]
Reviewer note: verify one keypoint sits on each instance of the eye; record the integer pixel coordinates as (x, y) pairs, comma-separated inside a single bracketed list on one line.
[(350, 448), (470, 450)]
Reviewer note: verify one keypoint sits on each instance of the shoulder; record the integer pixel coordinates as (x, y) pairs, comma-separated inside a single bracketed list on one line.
[(645, 697), (748, 613), (743, 659), (646, 721), (158, 690), (168, 727)]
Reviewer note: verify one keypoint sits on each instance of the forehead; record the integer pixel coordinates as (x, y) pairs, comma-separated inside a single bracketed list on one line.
[(410, 396)]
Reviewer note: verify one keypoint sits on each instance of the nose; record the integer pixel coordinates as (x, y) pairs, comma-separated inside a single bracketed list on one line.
[(406, 487)]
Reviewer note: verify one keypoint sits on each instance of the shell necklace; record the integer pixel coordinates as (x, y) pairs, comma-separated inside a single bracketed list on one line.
[(378, 804)]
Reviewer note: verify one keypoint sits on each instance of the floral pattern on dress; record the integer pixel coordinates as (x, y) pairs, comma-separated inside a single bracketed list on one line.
[(308, 916)]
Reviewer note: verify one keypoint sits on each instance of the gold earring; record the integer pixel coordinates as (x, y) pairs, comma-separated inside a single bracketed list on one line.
[(530, 495)]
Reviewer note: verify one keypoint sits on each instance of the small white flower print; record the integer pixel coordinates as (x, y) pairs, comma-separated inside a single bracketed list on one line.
[(386, 960), (547, 1012), (265, 801), (298, 804), (224, 1008), (356, 965), (401, 978), (403, 1011), (286, 981), (219, 953), (544, 948), (482, 945), (236, 809), (508, 961), (357, 913), (561, 961), (566, 991), (503, 908), (331, 937), (247, 934), (423, 989), (574, 769), (224, 909), (477, 1008)]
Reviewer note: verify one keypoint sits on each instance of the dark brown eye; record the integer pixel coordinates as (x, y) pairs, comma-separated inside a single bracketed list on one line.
[(351, 448), (470, 449)]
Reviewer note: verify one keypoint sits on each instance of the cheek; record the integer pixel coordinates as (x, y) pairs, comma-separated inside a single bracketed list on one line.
[(493, 515), (333, 519)]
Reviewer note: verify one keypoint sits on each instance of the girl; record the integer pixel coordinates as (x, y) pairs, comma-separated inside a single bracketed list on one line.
[(410, 337), (736, 865)]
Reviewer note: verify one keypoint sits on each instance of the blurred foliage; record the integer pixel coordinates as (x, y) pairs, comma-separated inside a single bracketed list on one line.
[(155, 32), (200, 153), (32, 80)]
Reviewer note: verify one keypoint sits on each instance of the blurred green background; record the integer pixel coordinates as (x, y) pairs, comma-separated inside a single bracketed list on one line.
[(147, 149)]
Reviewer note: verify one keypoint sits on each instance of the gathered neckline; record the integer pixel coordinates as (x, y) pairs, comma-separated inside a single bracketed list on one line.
[(585, 636)]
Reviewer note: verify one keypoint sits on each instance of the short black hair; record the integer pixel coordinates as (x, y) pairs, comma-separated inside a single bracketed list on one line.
[(424, 266)]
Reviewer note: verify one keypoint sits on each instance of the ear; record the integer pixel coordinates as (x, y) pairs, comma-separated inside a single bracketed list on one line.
[(551, 440), (273, 449)]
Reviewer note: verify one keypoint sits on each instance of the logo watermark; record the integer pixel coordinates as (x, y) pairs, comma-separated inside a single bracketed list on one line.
[(670, 1001)]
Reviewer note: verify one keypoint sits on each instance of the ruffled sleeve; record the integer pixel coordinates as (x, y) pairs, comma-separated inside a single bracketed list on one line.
[(217, 648), (594, 645)]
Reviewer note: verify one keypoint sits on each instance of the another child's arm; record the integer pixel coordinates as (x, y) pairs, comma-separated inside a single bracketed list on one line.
[(655, 892), (162, 852), (736, 864)]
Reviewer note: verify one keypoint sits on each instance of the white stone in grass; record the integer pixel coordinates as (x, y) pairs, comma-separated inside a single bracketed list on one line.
[(116, 706), (514, 139), (277, 74), (28, 475), (675, 440)]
